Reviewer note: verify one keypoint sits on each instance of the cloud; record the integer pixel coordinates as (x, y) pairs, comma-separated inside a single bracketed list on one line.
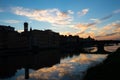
[(112, 36), (70, 12), (84, 30), (80, 33), (110, 15), (106, 17), (113, 25), (116, 11), (59, 18), (116, 24), (83, 12), (11, 21), (86, 34), (81, 27), (97, 21), (110, 31), (84, 26), (1, 10), (53, 16)]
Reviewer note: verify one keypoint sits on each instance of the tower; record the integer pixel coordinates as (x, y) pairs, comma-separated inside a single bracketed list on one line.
[(30, 28), (25, 27)]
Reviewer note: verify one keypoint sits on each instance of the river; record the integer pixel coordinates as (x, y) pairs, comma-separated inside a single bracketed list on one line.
[(63, 68)]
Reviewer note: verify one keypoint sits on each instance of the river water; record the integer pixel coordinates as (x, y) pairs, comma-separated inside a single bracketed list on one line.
[(69, 68)]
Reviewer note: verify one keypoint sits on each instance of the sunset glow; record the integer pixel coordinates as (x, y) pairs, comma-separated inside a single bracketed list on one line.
[(69, 69), (98, 19)]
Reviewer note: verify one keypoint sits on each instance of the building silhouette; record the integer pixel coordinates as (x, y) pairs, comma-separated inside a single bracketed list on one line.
[(11, 39), (32, 39), (25, 27)]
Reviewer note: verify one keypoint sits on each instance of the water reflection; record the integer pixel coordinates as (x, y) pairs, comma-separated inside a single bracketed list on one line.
[(68, 69), (112, 48), (49, 64), (10, 64), (91, 49)]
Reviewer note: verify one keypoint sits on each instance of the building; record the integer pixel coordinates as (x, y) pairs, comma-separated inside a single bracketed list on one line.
[(4, 31), (11, 39), (44, 39), (6, 28), (29, 39)]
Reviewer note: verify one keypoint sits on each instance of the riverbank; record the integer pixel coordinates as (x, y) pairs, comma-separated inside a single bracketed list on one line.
[(108, 70)]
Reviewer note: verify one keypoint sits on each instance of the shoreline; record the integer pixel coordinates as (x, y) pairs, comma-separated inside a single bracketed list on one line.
[(108, 70)]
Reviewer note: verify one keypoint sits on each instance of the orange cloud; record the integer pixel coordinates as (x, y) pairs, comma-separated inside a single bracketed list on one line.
[(82, 27), (53, 16), (110, 31), (115, 36)]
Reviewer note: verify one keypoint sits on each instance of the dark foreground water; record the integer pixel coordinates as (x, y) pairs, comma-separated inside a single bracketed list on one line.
[(52, 66)]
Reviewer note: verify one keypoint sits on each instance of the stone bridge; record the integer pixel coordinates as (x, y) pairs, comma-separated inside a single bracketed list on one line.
[(101, 43)]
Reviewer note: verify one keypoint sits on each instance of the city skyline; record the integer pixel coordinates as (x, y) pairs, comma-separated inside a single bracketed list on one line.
[(98, 19)]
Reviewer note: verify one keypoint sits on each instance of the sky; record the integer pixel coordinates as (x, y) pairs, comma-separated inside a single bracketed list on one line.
[(99, 19)]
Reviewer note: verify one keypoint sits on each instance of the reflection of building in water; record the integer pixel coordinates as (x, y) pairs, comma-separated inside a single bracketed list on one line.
[(10, 64), (9, 38)]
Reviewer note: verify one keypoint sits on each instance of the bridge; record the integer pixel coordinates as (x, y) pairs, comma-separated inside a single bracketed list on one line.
[(101, 43)]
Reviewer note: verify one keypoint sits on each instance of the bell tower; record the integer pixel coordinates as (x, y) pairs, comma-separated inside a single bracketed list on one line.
[(25, 27)]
